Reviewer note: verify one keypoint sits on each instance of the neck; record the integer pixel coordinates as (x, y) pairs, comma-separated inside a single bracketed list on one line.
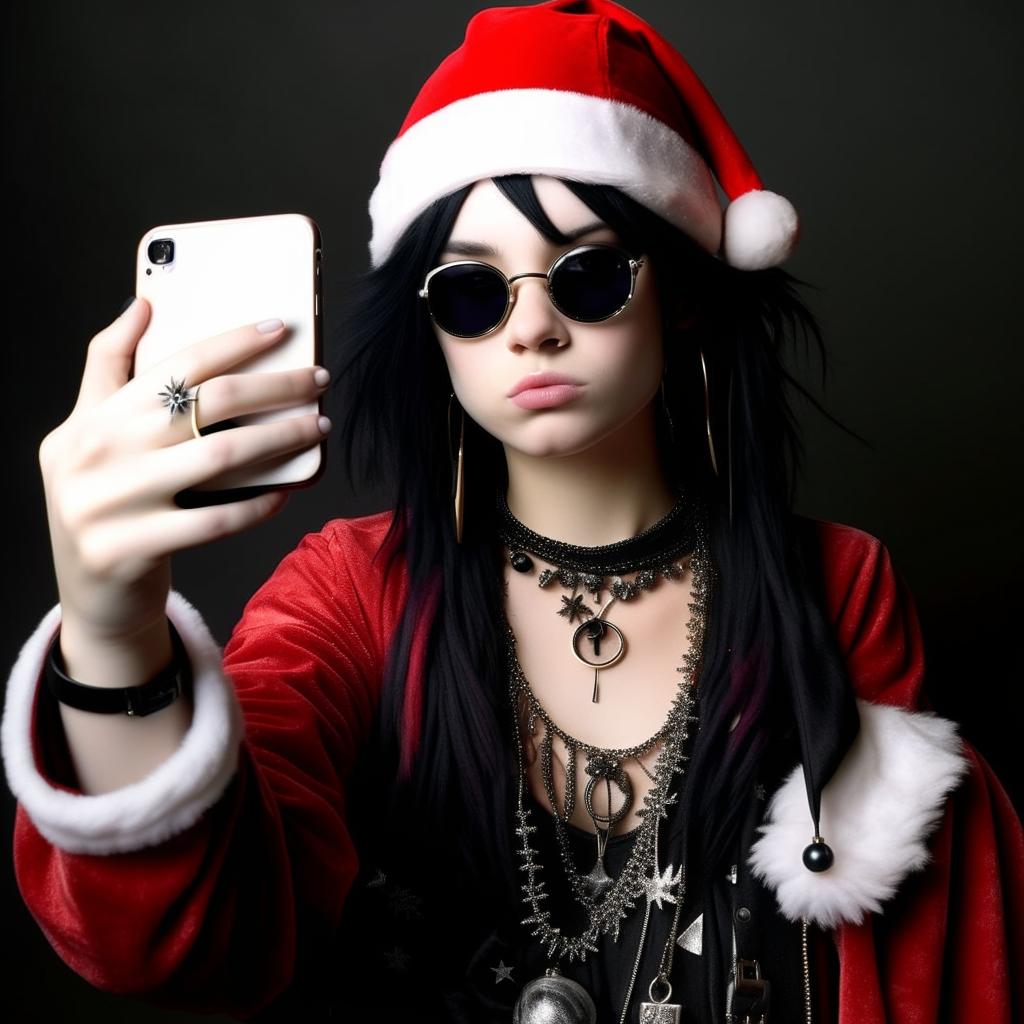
[(611, 491)]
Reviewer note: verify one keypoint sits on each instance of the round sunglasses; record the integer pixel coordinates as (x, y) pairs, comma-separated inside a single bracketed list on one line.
[(590, 283)]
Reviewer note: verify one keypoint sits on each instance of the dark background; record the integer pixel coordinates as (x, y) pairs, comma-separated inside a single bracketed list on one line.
[(894, 130)]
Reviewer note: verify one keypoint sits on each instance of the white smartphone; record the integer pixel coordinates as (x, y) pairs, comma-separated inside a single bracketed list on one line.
[(207, 277)]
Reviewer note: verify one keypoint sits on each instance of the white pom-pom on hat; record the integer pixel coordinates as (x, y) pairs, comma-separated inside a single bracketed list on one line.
[(761, 230)]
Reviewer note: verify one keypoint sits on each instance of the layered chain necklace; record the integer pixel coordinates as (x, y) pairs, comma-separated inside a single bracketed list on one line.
[(665, 550)]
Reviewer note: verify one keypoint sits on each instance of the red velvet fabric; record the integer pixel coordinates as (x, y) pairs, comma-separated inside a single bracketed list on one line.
[(208, 920)]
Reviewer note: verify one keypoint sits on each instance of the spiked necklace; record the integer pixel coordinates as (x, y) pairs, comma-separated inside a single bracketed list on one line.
[(661, 551), (606, 901)]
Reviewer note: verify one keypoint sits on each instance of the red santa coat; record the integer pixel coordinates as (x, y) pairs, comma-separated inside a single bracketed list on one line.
[(185, 888)]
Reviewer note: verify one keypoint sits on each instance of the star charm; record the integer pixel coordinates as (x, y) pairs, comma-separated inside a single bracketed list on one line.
[(573, 608), (502, 972), (658, 886), (397, 959), (405, 903), (176, 396)]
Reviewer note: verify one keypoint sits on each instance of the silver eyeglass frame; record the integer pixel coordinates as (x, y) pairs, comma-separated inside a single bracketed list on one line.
[(634, 268)]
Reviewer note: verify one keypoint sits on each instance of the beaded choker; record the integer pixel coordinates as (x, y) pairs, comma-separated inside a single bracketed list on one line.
[(671, 536)]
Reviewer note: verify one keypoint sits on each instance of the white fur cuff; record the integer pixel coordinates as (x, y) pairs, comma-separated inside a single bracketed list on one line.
[(877, 811), (168, 800)]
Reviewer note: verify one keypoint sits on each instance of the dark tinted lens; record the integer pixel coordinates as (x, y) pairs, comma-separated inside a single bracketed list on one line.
[(592, 284), (467, 300)]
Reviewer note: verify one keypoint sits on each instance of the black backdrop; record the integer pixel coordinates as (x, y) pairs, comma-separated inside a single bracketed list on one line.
[(887, 125)]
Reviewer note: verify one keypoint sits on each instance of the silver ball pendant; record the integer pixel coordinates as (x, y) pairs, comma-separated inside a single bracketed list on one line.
[(554, 999)]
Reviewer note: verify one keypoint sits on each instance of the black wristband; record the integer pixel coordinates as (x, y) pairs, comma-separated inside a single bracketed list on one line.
[(163, 689)]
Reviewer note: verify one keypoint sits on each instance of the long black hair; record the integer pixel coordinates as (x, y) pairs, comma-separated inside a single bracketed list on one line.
[(767, 638)]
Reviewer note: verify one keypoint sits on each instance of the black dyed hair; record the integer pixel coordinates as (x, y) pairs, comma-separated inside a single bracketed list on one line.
[(767, 634)]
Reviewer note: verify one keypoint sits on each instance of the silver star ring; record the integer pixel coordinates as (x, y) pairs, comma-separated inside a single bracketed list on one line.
[(177, 398)]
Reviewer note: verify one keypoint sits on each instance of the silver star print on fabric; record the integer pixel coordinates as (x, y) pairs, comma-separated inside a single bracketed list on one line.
[(658, 886), (405, 903), (377, 881), (176, 397), (502, 972), (397, 959)]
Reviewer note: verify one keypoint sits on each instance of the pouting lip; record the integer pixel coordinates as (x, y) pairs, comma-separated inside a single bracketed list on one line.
[(538, 380)]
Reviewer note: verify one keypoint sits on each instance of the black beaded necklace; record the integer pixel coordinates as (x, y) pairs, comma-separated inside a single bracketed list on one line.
[(673, 535), (653, 554)]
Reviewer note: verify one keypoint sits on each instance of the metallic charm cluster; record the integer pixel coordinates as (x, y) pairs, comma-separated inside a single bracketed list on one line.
[(606, 901)]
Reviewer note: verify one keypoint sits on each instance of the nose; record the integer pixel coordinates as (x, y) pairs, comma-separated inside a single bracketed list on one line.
[(533, 319)]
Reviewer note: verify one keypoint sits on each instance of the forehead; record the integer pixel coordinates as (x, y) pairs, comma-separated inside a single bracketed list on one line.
[(487, 214)]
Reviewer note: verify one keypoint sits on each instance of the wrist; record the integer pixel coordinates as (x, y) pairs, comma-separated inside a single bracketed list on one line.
[(157, 688)]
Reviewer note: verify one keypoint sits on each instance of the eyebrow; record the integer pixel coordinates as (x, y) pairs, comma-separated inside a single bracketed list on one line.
[(460, 248)]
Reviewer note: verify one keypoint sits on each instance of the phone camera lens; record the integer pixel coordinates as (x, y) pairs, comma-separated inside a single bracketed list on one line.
[(161, 250)]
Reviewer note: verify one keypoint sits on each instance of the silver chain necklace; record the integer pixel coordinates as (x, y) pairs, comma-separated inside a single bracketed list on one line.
[(607, 901)]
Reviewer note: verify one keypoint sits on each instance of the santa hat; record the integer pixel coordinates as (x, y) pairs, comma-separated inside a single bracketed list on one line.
[(588, 91)]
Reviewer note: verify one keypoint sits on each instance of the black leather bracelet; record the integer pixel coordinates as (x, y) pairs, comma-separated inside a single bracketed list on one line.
[(163, 689)]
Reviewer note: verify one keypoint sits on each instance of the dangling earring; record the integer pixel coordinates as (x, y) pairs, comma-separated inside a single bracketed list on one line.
[(457, 472), (664, 405), (707, 414)]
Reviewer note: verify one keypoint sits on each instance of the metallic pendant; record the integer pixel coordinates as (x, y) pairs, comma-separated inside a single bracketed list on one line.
[(598, 882), (660, 1011), (594, 630), (554, 999)]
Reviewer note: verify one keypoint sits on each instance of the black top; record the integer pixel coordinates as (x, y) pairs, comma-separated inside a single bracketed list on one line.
[(416, 942)]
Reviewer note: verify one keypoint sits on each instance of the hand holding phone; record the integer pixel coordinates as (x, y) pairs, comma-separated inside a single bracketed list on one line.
[(207, 277), (113, 469)]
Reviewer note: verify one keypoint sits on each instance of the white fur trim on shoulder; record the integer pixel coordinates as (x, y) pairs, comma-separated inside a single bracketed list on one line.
[(165, 802), (885, 799)]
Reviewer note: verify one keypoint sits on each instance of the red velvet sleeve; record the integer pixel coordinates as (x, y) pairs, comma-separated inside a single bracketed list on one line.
[(206, 918), (950, 944)]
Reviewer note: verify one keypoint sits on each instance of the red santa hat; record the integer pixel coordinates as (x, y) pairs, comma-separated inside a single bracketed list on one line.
[(588, 91)]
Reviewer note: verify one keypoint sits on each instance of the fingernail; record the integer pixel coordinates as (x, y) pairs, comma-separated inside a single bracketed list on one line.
[(324, 424), (269, 326), (321, 377), (128, 303)]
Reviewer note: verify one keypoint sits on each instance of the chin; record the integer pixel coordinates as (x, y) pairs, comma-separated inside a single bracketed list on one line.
[(554, 435)]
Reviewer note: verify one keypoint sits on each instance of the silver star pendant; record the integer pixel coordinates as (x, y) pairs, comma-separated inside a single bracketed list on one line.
[(573, 608), (502, 972), (659, 887)]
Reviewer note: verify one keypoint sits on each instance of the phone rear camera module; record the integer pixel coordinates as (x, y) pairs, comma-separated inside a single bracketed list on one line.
[(161, 250)]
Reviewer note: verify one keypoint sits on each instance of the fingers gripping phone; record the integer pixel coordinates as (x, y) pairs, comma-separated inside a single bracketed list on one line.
[(207, 277)]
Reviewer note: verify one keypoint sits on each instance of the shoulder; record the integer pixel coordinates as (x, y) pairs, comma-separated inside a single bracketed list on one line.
[(347, 541), (847, 554), (341, 573), (872, 610)]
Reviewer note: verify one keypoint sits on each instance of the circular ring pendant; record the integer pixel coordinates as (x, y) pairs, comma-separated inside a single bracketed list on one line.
[(595, 630), (615, 774)]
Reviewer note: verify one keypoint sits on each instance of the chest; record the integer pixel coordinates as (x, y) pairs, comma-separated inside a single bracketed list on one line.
[(634, 694)]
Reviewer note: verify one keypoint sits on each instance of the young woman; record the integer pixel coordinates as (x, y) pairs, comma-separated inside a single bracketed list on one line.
[(589, 725)]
